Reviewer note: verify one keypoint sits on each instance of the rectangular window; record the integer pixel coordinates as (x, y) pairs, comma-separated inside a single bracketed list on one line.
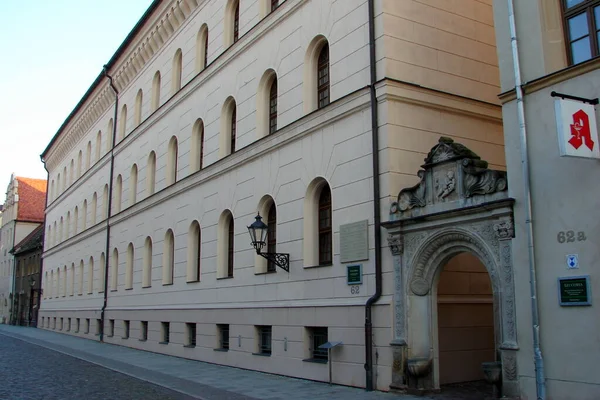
[(125, 329), (54, 323), (165, 331), (318, 336), (190, 329), (264, 340), (77, 325), (87, 326), (111, 328), (223, 336), (68, 324), (582, 29), (60, 328), (144, 331)]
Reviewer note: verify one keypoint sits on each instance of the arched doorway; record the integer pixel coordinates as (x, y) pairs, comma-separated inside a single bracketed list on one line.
[(465, 334)]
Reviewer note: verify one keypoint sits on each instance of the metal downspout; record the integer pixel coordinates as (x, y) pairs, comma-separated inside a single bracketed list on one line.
[(110, 190), (537, 352), (376, 203)]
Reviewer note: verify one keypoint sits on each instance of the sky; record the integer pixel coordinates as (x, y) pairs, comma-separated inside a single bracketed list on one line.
[(51, 53)]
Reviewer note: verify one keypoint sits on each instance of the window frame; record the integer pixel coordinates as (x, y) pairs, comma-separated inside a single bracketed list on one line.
[(230, 246), (166, 332), (317, 334), (265, 340), (223, 336), (325, 232), (233, 129), (143, 331), (273, 107), (236, 22), (587, 7), (272, 236), (274, 5), (323, 71)]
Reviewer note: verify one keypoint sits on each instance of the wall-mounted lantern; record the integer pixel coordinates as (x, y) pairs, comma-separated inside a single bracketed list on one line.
[(258, 236)]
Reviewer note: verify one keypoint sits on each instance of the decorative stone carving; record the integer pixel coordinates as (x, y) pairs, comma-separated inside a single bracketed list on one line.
[(480, 180), (412, 197), (504, 230), (396, 244), (509, 364), (447, 187), (448, 150)]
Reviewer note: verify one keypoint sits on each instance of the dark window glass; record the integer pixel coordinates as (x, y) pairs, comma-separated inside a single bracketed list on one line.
[(144, 333), (272, 236), (325, 237), (126, 329), (111, 327), (236, 23), (206, 49), (233, 128), (166, 332), (319, 337), (201, 139), (273, 107), (199, 251), (323, 77), (274, 5), (191, 328), (230, 248), (582, 26), (265, 339), (224, 336)]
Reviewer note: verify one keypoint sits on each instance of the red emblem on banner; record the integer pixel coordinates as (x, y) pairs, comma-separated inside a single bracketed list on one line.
[(580, 131)]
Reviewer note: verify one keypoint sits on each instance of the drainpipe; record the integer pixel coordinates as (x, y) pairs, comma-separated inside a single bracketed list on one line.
[(376, 203), (43, 242), (537, 351), (110, 190)]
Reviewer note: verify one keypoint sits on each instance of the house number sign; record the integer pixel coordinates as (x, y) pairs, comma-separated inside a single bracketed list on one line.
[(570, 236)]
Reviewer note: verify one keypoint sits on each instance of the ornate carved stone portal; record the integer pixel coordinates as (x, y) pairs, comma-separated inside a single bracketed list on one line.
[(459, 205)]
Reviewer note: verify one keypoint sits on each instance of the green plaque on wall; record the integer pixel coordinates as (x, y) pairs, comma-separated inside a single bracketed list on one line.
[(574, 291), (354, 274)]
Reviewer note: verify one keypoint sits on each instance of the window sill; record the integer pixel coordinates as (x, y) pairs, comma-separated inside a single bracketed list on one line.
[(189, 346), (143, 340), (265, 273), (163, 342), (80, 294), (221, 350), (315, 361), (113, 290), (90, 292), (146, 287), (225, 277), (168, 284), (193, 281), (262, 354), (129, 288), (124, 337), (318, 266)]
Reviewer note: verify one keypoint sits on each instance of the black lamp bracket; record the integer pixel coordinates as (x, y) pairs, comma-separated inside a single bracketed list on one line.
[(282, 260)]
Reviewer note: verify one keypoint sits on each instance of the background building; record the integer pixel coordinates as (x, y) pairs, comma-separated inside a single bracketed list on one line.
[(314, 113), (23, 212)]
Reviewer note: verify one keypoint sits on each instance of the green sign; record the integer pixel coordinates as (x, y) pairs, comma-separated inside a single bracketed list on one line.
[(354, 274), (574, 291)]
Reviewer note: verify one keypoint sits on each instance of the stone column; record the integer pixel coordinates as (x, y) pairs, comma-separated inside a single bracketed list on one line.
[(398, 344)]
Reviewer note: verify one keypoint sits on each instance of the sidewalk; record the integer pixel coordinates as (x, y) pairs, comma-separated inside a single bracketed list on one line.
[(194, 378)]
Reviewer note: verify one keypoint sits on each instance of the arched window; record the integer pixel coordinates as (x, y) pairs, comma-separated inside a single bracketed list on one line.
[(94, 208), (118, 194), (75, 220), (151, 173), (56, 237), (172, 161), (84, 216), (176, 72), (72, 172), (58, 282), (68, 225), (52, 191), (202, 48), (266, 107), (268, 6), (168, 258), (226, 248), (88, 155), (64, 281), (232, 22), (129, 267), (64, 182), (49, 241), (318, 225), (155, 91), (102, 277), (123, 123), (273, 107), (105, 202), (109, 137), (323, 77), (228, 128), (316, 93), (98, 146), (114, 284), (80, 289), (72, 280), (194, 252), (274, 5), (137, 116), (79, 161), (91, 276), (58, 186), (147, 269), (133, 178), (197, 150)]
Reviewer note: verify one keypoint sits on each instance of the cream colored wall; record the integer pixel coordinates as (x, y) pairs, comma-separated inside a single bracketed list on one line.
[(465, 320), (442, 45)]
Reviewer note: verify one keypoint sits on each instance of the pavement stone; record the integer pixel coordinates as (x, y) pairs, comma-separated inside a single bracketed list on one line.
[(190, 378)]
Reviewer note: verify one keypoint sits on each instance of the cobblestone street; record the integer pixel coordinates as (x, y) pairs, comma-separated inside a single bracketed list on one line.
[(33, 372)]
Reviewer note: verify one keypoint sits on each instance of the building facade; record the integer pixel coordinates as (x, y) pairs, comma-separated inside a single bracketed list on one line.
[(28, 262), (314, 113), (557, 43), (23, 211)]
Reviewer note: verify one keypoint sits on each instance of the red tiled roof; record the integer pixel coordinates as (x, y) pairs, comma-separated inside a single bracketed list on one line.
[(32, 199)]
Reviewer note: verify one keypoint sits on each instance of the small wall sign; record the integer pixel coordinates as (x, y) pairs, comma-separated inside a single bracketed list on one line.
[(572, 261), (574, 291), (354, 243), (354, 274)]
